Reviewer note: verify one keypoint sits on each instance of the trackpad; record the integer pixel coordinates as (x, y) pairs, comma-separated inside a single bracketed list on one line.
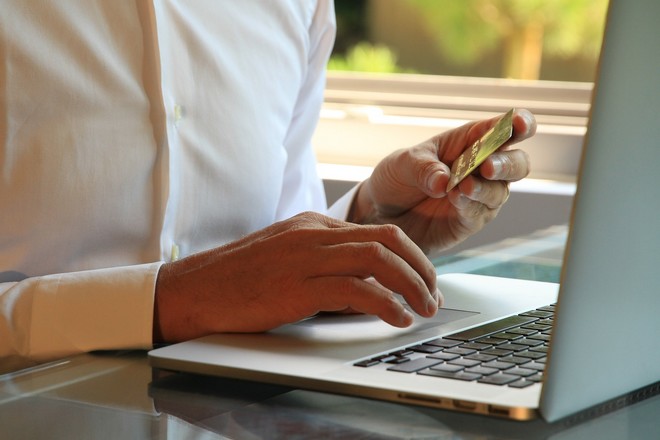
[(361, 327)]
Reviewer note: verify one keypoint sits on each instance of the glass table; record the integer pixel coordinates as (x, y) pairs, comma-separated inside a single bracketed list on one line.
[(117, 395)]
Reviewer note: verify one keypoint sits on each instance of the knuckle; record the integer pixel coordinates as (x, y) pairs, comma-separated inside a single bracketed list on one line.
[(390, 303), (393, 232), (373, 251), (348, 286), (516, 164)]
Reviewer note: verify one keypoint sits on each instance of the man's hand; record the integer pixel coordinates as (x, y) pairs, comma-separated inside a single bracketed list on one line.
[(408, 187), (293, 270)]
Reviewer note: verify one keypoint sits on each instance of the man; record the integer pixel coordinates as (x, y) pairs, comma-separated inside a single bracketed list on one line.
[(158, 182)]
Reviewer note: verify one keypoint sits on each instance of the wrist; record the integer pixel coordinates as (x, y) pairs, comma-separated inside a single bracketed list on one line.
[(362, 208)]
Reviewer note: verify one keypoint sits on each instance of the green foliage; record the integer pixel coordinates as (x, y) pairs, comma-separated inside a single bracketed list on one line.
[(366, 57), (466, 29)]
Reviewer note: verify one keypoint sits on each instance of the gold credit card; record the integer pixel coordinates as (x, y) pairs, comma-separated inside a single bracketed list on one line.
[(474, 155)]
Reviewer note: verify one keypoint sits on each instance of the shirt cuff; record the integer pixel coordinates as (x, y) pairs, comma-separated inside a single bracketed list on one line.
[(342, 206), (103, 309)]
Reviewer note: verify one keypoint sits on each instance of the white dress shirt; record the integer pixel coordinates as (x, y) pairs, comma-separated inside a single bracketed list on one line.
[(134, 132)]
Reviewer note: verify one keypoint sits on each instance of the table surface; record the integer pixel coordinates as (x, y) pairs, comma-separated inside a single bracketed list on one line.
[(117, 395)]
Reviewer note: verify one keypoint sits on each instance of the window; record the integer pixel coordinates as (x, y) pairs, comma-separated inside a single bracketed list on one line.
[(404, 70)]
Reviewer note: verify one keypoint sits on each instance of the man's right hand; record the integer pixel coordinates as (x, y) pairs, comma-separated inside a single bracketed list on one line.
[(290, 271)]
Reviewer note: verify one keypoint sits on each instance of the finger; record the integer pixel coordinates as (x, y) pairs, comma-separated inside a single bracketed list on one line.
[(472, 215), (524, 125), (510, 166), (392, 239), (372, 259), (421, 169), (339, 293), (492, 194)]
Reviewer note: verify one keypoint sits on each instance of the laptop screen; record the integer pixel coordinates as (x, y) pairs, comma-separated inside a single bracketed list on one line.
[(611, 263)]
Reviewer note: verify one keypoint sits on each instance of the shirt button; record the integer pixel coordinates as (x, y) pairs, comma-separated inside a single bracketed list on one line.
[(174, 253), (178, 113)]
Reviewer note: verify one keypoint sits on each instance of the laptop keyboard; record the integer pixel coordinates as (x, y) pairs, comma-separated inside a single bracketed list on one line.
[(509, 352)]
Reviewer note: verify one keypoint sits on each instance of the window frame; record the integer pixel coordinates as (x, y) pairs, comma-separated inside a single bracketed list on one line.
[(366, 116)]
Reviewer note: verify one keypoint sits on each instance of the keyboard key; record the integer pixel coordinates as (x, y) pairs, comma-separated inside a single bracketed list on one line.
[(535, 366), (465, 362), (484, 371), (475, 345), (425, 348), (397, 360), (415, 365), (491, 328), (497, 352), (499, 365), (529, 342), (403, 353), (513, 347), (522, 331), (538, 377), (367, 363), (519, 371), (444, 356), (445, 343), (540, 337), (507, 335), (481, 357), (499, 379), (459, 350), (460, 375), (448, 368), (491, 341), (530, 354), (538, 314), (517, 360), (522, 383), (539, 327)]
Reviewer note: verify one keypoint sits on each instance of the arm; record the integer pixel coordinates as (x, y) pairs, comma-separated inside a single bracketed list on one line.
[(58, 315)]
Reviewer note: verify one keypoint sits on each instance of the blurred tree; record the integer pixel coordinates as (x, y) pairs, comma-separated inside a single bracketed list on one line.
[(351, 24), (465, 30), (367, 57)]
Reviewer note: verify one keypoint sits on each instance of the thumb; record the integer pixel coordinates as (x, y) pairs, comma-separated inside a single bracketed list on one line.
[(433, 179)]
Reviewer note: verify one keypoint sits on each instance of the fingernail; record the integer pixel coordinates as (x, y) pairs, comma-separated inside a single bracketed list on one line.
[(432, 306), (440, 298), (432, 182), (497, 166), (529, 121), (407, 318)]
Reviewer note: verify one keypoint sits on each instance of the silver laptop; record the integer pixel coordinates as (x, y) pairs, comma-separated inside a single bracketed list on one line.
[(560, 349)]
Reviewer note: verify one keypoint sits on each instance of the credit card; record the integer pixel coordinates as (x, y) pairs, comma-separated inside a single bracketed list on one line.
[(475, 154)]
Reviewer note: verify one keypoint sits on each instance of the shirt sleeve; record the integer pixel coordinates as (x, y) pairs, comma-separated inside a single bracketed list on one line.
[(302, 188), (55, 316)]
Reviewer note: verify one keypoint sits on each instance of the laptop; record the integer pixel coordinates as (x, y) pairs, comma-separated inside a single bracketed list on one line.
[(502, 347)]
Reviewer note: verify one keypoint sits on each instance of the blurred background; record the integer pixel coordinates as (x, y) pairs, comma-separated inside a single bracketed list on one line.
[(521, 39)]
